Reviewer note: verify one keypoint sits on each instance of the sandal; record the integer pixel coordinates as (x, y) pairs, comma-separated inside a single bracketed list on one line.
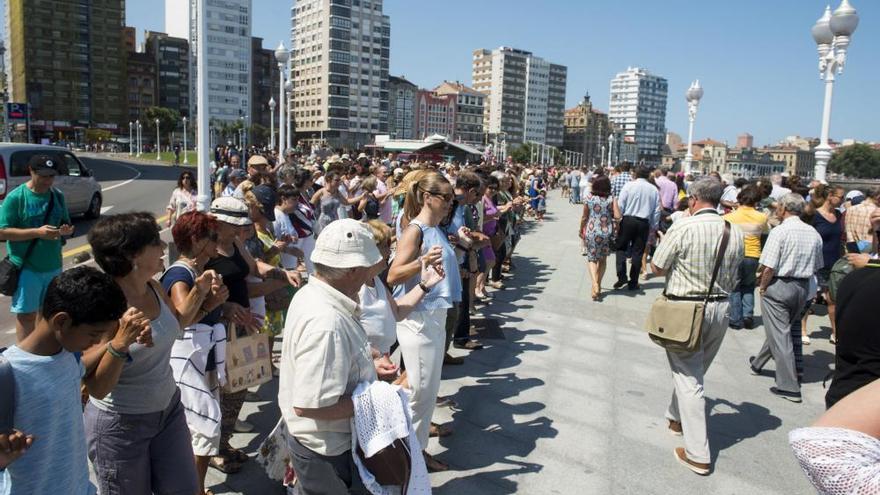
[(434, 465), (235, 455), (224, 464), (439, 431)]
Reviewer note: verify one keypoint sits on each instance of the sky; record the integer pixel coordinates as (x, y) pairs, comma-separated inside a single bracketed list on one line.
[(755, 59)]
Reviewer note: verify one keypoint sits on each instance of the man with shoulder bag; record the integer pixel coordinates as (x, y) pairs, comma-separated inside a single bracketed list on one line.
[(700, 257)]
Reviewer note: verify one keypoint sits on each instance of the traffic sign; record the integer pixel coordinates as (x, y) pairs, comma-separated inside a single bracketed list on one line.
[(17, 111)]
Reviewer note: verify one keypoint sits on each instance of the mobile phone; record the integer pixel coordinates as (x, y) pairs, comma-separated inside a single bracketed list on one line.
[(852, 247)]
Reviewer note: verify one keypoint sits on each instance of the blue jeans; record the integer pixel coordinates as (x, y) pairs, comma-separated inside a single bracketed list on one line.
[(575, 194), (742, 299)]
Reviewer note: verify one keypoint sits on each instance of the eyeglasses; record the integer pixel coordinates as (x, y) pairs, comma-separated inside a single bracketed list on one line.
[(447, 197)]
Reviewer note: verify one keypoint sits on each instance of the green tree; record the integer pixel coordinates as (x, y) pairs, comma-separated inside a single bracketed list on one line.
[(859, 161), (259, 134), (169, 120), (97, 135)]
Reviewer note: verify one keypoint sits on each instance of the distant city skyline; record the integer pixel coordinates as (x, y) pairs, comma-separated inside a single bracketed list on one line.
[(755, 59)]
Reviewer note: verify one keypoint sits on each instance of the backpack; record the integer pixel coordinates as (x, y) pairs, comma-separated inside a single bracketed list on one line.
[(7, 389)]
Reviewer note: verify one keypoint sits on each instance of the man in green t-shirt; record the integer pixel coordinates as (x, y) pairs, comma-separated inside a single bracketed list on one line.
[(22, 221)]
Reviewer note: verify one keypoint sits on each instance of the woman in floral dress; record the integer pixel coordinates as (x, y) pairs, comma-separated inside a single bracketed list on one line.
[(598, 229)]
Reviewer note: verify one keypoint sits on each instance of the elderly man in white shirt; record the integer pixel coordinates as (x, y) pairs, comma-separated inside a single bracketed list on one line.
[(325, 355)]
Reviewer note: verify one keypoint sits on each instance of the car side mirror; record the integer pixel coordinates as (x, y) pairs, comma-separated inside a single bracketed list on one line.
[(84, 172)]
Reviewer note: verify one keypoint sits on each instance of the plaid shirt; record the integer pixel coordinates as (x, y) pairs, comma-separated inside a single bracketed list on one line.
[(793, 249), (858, 222), (618, 182), (687, 253)]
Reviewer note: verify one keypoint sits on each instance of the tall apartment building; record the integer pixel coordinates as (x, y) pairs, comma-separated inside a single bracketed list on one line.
[(341, 52), (469, 108), (401, 108), (586, 131), (66, 59), (172, 59), (638, 107), (264, 87), (525, 95), (229, 53)]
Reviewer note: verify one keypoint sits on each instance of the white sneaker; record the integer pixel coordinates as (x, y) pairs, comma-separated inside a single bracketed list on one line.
[(805, 339)]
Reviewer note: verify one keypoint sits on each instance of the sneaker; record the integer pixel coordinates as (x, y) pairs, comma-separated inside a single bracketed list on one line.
[(735, 326), (674, 427), (749, 323), (620, 283), (242, 426), (755, 371), (697, 467), (805, 339), (792, 396)]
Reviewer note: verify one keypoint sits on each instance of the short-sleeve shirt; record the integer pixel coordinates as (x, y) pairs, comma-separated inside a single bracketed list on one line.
[(753, 223), (793, 249), (25, 209), (47, 406), (324, 355)]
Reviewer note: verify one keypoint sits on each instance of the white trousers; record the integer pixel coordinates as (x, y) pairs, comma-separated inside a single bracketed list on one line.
[(688, 368), (422, 338)]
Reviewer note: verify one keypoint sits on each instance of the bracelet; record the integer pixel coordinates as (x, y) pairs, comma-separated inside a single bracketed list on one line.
[(424, 287), (118, 355)]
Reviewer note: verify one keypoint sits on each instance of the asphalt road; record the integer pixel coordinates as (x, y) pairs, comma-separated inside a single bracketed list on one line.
[(127, 186)]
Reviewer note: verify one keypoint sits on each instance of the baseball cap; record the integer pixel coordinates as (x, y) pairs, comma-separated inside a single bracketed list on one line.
[(257, 160), (346, 243), (43, 165), (266, 196), (231, 210)]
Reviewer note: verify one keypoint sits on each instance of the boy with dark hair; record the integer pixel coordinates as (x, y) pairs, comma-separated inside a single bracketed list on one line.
[(82, 307)]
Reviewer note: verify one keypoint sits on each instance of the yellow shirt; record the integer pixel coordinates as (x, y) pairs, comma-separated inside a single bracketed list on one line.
[(753, 223)]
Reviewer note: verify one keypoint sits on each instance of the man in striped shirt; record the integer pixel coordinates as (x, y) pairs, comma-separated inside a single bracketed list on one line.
[(686, 255)]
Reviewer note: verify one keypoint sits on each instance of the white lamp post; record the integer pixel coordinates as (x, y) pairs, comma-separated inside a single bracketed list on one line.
[(158, 142), (832, 34), (130, 138), (693, 96), (138, 138), (185, 156), (203, 181), (272, 123), (288, 91), (282, 56), (610, 148)]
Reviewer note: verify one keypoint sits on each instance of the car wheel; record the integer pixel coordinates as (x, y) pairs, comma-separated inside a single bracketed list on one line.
[(94, 210)]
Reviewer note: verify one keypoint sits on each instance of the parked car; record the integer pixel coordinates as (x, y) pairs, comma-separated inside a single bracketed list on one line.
[(81, 191)]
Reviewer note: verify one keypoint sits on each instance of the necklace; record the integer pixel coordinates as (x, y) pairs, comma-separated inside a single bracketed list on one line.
[(191, 264)]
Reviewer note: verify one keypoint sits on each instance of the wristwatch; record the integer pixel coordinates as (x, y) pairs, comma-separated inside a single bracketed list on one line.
[(424, 287)]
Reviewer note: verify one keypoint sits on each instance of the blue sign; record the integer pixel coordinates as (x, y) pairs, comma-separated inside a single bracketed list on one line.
[(17, 111)]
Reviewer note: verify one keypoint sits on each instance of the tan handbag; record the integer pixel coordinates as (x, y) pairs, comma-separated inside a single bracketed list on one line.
[(678, 325), (248, 360)]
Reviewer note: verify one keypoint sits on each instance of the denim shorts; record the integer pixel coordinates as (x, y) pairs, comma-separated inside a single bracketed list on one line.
[(31, 290), (141, 454)]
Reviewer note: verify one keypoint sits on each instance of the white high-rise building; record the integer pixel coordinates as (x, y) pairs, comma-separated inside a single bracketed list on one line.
[(229, 53), (340, 60), (638, 108), (525, 95)]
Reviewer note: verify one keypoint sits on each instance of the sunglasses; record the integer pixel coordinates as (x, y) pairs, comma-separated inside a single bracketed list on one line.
[(447, 197)]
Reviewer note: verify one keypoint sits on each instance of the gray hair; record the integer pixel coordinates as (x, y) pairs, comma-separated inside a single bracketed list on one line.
[(499, 175), (707, 190), (286, 174), (793, 203), (330, 273)]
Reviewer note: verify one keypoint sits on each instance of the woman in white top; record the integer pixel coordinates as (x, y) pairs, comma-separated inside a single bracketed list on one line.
[(183, 198), (292, 257)]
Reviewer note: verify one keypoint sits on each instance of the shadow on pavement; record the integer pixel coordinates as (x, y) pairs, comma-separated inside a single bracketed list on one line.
[(746, 420)]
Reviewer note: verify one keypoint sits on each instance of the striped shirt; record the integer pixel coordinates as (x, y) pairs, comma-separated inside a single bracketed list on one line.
[(687, 253), (793, 249), (618, 181)]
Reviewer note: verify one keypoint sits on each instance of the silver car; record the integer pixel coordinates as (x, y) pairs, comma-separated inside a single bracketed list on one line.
[(81, 191)]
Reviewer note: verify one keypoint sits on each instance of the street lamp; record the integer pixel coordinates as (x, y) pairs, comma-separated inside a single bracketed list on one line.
[(282, 56), (138, 138), (158, 143), (288, 90), (832, 34), (130, 138), (185, 156), (693, 96), (610, 147), (272, 123)]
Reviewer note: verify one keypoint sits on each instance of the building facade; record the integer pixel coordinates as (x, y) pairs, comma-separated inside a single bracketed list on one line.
[(469, 108), (264, 87), (749, 163), (172, 59), (798, 161), (745, 140), (341, 53), (229, 48), (401, 108), (140, 86), (638, 107), (67, 60), (525, 95), (586, 131), (434, 114)]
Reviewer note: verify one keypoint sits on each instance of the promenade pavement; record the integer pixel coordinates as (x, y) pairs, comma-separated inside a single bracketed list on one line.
[(568, 396)]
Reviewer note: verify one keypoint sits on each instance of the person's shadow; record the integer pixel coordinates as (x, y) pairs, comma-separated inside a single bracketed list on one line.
[(728, 428)]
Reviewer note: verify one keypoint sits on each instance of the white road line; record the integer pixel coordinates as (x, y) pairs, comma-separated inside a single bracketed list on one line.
[(11, 331), (129, 181), (105, 209)]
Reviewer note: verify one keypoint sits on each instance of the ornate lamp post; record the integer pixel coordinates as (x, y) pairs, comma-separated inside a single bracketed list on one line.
[(610, 148), (693, 96), (139, 142), (272, 123), (158, 142), (288, 92), (185, 156), (130, 138), (282, 56), (832, 34)]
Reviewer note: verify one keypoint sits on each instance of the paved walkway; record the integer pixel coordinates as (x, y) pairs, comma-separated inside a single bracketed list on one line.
[(569, 395)]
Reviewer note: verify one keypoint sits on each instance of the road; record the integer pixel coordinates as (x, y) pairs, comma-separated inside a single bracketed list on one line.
[(127, 186)]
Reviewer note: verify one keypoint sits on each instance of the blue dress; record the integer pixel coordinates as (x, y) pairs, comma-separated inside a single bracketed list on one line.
[(599, 231)]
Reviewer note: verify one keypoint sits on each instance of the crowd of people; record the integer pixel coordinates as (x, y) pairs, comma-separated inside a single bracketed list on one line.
[(366, 269), (718, 240)]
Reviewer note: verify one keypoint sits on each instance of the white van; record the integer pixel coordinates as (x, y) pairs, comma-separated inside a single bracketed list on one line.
[(81, 191)]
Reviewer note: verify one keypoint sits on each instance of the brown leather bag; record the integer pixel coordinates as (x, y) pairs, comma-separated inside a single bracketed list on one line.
[(391, 465)]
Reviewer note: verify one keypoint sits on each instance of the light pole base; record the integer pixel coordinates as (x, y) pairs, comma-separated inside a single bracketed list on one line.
[(823, 156)]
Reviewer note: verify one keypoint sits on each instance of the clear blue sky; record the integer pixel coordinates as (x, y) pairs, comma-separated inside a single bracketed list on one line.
[(755, 58)]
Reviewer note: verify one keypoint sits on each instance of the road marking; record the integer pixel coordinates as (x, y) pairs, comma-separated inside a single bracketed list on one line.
[(11, 331), (105, 209), (129, 181), (86, 247)]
